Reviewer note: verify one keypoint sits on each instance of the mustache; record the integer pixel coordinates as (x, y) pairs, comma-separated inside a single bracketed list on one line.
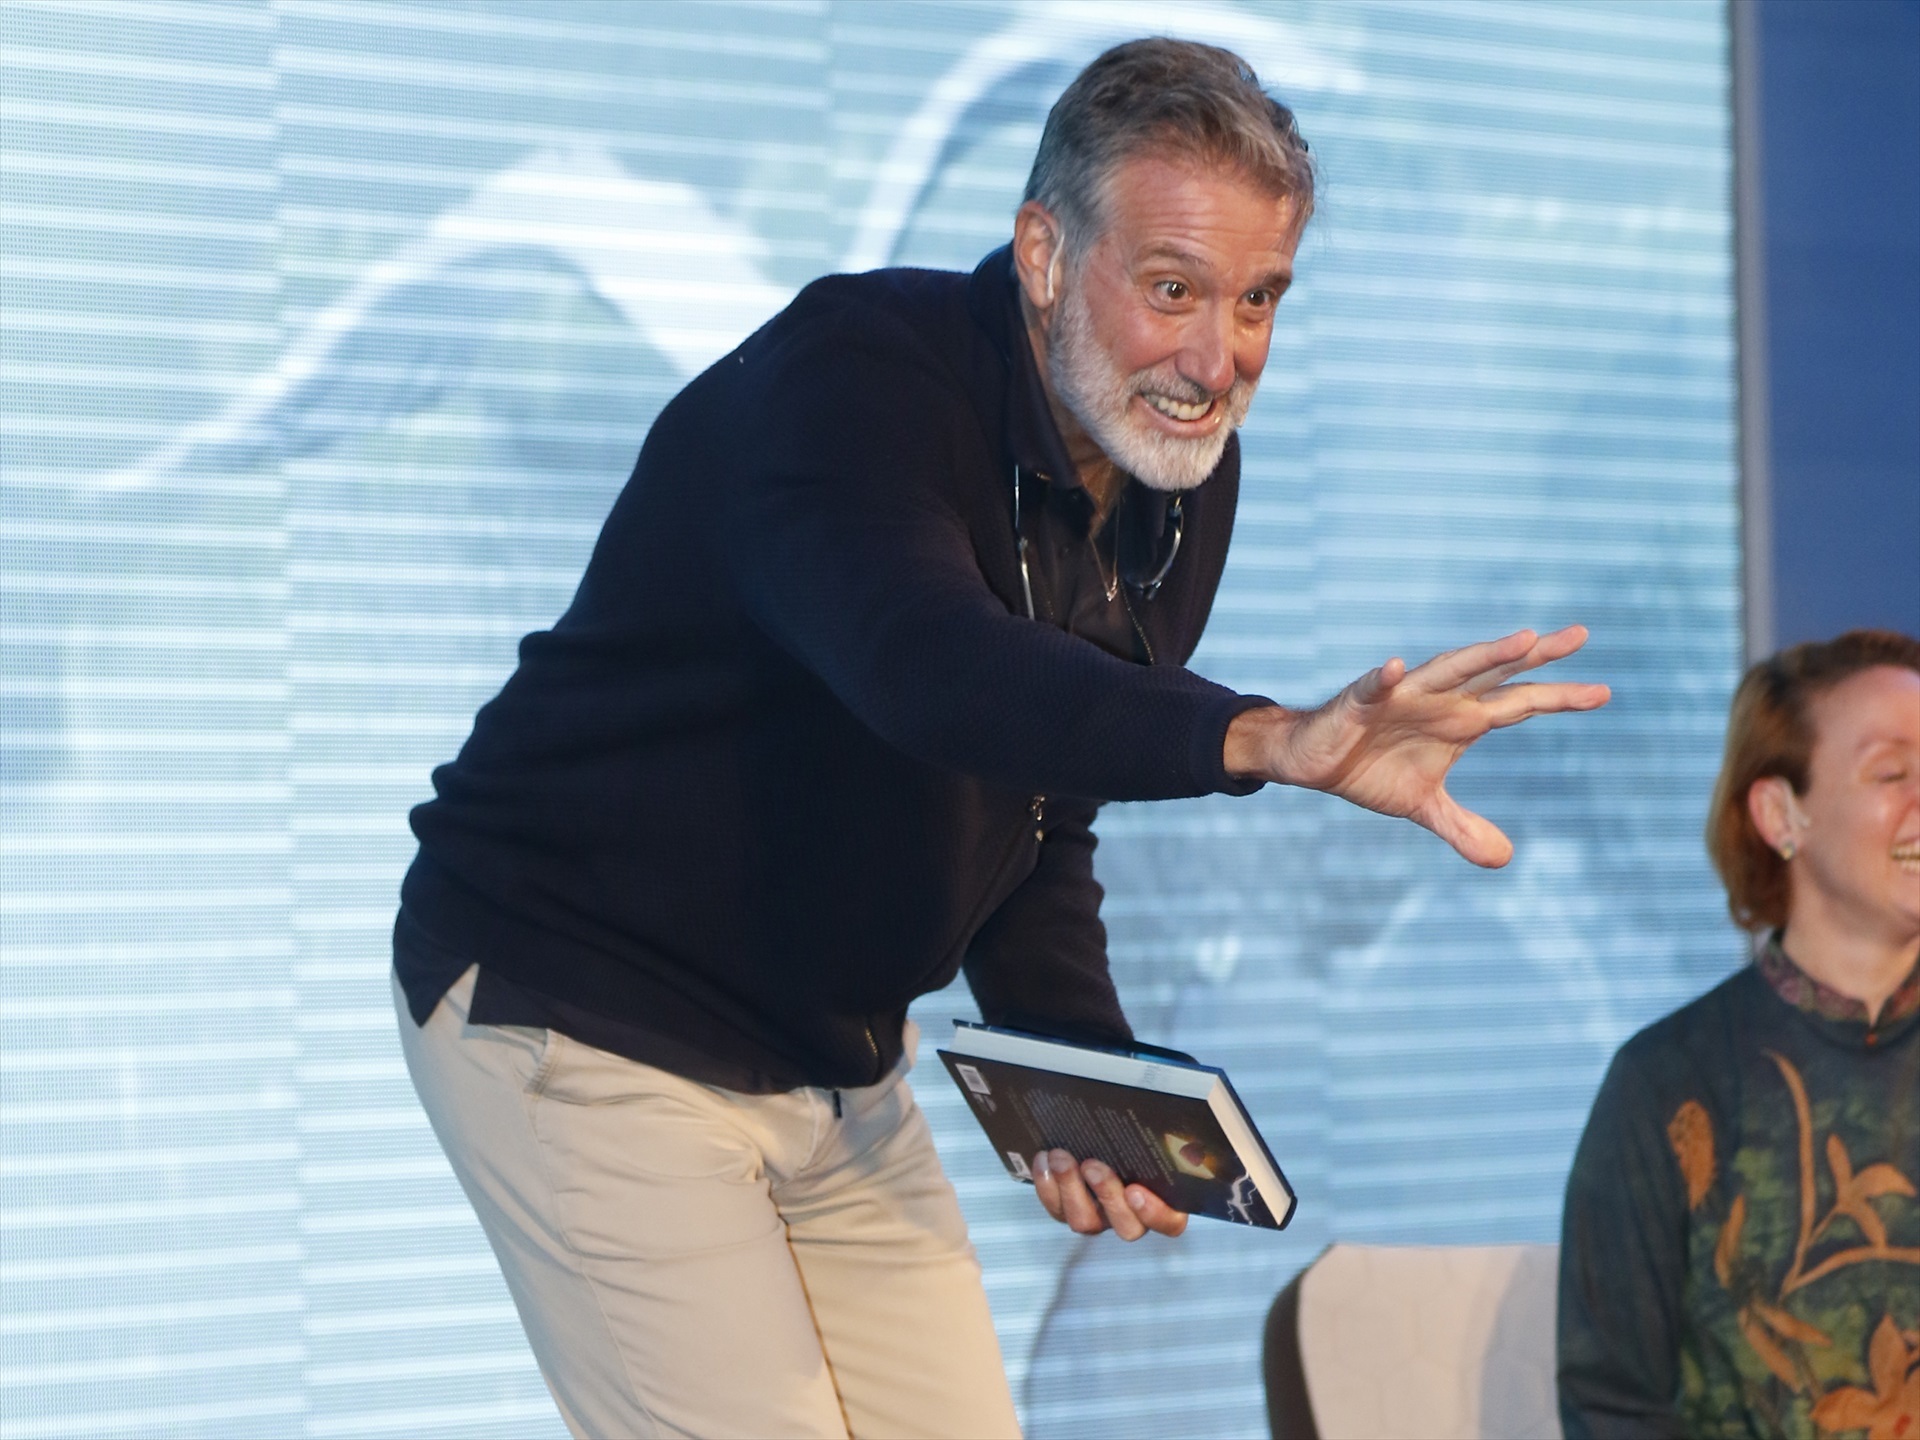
[(1238, 396), (1176, 386)]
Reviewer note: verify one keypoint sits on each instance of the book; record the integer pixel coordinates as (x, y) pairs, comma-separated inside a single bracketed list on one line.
[(1156, 1117)]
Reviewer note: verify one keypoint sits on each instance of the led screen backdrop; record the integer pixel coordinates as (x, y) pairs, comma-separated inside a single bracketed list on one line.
[(330, 332)]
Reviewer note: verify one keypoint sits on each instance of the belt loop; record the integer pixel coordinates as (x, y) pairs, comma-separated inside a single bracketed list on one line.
[(836, 1105)]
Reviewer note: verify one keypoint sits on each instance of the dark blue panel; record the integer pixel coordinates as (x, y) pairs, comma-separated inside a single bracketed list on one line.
[(1840, 148)]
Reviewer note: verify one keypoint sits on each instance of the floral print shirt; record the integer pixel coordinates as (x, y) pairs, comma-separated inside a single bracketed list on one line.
[(1740, 1253)]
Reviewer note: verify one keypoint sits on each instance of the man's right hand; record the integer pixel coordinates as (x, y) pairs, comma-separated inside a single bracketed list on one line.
[(1087, 1197), (1388, 740)]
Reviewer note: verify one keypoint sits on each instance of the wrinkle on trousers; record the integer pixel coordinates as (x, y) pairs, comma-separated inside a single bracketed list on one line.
[(689, 1261)]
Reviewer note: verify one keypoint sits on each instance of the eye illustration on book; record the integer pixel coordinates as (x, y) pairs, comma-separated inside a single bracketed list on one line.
[(1191, 1156)]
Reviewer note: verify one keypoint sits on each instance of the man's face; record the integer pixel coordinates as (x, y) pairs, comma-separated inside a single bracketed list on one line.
[(1160, 325)]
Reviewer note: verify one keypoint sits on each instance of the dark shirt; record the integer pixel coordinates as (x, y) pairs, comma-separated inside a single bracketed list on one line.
[(795, 753), (1740, 1252)]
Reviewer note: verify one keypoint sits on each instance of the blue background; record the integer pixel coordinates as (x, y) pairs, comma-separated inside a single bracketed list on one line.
[(329, 331), (1839, 148)]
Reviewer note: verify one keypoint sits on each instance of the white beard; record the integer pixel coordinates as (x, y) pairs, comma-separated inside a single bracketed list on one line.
[(1091, 386)]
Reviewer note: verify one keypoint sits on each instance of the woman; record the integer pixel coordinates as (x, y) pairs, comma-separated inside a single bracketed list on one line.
[(1741, 1246)]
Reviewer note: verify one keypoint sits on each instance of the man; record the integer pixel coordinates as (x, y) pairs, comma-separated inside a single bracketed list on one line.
[(898, 593)]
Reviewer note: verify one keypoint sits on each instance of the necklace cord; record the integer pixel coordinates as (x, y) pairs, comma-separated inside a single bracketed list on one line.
[(1150, 587)]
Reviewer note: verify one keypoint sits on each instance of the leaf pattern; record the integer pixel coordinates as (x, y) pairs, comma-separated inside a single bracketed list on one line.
[(1847, 1408), (1878, 1180), (1889, 1411), (1799, 1171), (1690, 1133), (1803, 1116), (1778, 1338), (1771, 1355), (1727, 1248), (1846, 1201), (1852, 1196), (1791, 1327), (1887, 1358)]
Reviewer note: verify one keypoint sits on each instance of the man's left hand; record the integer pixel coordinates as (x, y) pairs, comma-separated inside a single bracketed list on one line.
[(1087, 1196)]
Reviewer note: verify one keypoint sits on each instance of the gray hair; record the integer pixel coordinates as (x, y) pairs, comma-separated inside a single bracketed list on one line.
[(1170, 97)]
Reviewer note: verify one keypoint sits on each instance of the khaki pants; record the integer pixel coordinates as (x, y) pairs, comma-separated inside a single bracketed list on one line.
[(691, 1261)]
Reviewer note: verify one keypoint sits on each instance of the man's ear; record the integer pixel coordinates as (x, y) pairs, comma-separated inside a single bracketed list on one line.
[(1038, 253), (1775, 810)]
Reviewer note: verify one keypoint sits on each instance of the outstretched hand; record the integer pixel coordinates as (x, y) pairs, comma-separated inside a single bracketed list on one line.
[(1388, 740)]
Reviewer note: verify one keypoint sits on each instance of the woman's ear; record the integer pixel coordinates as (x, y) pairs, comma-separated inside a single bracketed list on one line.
[(1776, 813), (1037, 254)]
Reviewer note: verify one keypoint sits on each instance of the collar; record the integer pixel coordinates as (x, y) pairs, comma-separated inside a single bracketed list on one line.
[(1845, 1017), (1031, 438)]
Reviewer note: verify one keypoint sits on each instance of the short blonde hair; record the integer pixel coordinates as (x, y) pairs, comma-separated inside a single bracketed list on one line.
[(1770, 732)]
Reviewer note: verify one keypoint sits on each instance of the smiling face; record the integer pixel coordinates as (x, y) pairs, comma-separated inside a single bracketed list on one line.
[(1857, 827), (1152, 338)]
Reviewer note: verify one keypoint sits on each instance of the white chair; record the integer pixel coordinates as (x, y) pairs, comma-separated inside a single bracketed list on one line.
[(1428, 1342)]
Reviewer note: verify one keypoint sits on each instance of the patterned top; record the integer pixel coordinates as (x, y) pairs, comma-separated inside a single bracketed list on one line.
[(1741, 1246)]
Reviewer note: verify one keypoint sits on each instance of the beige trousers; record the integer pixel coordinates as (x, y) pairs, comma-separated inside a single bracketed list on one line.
[(689, 1261)]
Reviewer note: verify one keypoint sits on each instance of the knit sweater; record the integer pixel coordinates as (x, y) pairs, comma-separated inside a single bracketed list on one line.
[(796, 752), (1741, 1244)]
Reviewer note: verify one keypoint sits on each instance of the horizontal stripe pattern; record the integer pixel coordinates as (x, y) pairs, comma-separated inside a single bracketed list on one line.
[(332, 328)]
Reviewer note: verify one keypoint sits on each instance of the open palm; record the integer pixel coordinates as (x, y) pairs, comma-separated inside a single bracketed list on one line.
[(1388, 740)]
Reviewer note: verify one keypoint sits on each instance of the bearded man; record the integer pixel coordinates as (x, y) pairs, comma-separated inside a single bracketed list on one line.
[(898, 593)]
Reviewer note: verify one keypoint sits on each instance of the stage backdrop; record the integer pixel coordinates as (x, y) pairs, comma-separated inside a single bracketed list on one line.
[(330, 332)]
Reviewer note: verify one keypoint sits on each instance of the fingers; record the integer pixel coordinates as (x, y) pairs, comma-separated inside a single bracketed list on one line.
[(1065, 1195), (1111, 1195), (1475, 837), (1478, 668), (1132, 1210), (1128, 1206), (1088, 1197), (1454, 668), (1045, 1186), (1510, 704), (1373, 685), (1155, 1213)]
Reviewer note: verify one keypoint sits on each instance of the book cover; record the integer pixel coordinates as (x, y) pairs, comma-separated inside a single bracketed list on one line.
[(1176, 1145)]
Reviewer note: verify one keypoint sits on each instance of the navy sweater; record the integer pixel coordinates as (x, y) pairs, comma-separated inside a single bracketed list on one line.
[(796, 752)]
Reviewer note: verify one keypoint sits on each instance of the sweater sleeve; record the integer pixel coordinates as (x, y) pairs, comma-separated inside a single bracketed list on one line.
[(1040, 961), (847, 542), (1622, 1268)]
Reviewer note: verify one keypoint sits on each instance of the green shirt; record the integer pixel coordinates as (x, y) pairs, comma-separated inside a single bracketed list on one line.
[(1740, 1253)]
